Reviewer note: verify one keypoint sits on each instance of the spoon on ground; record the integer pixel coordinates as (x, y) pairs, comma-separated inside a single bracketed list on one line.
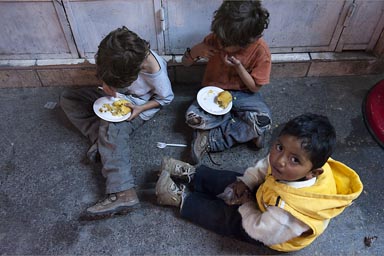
[(163, 145)]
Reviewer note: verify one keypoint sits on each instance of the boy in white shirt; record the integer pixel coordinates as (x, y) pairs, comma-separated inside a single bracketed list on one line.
[(124, 63)]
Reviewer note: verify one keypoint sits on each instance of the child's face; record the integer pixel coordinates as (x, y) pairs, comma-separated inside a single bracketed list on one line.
[(288, 160)]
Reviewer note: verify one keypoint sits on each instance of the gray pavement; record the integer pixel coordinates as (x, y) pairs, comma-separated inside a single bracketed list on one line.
[(44, 185)]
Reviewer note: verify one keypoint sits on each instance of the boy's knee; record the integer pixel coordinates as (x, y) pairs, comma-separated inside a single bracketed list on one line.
[(64, 99), (66, 96), (193, 120), (63, 95), (263, 120)]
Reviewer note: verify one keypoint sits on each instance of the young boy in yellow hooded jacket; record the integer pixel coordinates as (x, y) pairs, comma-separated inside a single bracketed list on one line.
[(285, 201)]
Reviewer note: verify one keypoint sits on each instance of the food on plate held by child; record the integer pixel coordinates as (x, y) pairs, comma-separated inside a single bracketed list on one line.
[(223, 99), (118, 108)]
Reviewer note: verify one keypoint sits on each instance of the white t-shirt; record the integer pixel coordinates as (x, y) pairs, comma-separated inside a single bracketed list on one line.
[(148, 87)]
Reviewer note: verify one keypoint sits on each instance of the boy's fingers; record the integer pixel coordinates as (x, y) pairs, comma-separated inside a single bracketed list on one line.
[(129, 104), (240, 193)]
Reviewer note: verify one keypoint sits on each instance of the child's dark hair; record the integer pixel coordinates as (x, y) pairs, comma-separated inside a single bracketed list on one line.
[(317, 135), (238, 23), (120, 56)]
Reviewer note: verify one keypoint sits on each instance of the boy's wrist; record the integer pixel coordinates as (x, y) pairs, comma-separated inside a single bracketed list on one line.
[(238, 67)]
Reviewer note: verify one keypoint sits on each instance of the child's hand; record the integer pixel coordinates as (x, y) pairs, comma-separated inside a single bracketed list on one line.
[(135, 110), (242, 192), (246, 197), (231, 61), (236, 193), (239, 188)]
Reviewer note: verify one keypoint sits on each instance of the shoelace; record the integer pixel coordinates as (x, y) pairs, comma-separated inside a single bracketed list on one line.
[(207, 151), (181, 170), (176, 189), (210, 158)]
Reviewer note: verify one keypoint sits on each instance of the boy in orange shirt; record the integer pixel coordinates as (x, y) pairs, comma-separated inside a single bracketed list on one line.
[(239, 61)]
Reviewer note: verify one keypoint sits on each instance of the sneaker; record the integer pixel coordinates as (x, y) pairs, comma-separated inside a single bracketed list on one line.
[(178, 169), (200, 145), (167, 192), (114, 204)]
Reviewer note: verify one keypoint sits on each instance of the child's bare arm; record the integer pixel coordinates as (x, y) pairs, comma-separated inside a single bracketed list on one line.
[(243, 73), (200, 50), (137, 109)]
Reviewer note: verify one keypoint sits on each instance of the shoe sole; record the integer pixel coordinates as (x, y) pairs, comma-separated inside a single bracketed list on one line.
[(122, 210)]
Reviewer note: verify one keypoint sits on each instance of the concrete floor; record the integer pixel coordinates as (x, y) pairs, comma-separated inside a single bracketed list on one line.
[(44, 185)]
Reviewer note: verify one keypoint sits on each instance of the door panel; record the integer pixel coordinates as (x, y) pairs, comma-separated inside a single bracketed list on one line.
[(188, 22), (91, 21), (363, 26), (304, 25), (34, 30)]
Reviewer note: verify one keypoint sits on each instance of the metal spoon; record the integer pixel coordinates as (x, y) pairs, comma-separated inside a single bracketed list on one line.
[(163, 145)]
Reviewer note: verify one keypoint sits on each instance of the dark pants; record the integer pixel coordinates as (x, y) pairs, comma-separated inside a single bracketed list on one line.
[(203, 208)]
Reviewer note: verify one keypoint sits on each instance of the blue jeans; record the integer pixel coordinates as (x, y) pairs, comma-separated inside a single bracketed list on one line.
[(248, 119), (112, 139), (204, 208)]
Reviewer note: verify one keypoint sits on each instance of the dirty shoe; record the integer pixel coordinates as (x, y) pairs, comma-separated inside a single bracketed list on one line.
[(200, 145), (178, 169), (114, 204), (167, 192)]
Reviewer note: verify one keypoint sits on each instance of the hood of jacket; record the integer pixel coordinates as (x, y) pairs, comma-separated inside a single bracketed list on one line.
[(333, 191)]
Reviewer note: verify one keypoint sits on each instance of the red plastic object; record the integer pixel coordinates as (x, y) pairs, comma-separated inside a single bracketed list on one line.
[(373, 112)]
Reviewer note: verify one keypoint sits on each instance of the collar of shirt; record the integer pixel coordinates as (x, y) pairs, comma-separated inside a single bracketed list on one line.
[(300, 184)]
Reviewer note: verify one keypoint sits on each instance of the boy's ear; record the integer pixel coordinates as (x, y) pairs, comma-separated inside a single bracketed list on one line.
[(314, 173)]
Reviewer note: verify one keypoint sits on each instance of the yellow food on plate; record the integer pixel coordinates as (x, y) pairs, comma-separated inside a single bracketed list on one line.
[(117, 108), (223, 99)]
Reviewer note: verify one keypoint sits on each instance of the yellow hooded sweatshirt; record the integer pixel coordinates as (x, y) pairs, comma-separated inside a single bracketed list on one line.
[(315, 205)]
